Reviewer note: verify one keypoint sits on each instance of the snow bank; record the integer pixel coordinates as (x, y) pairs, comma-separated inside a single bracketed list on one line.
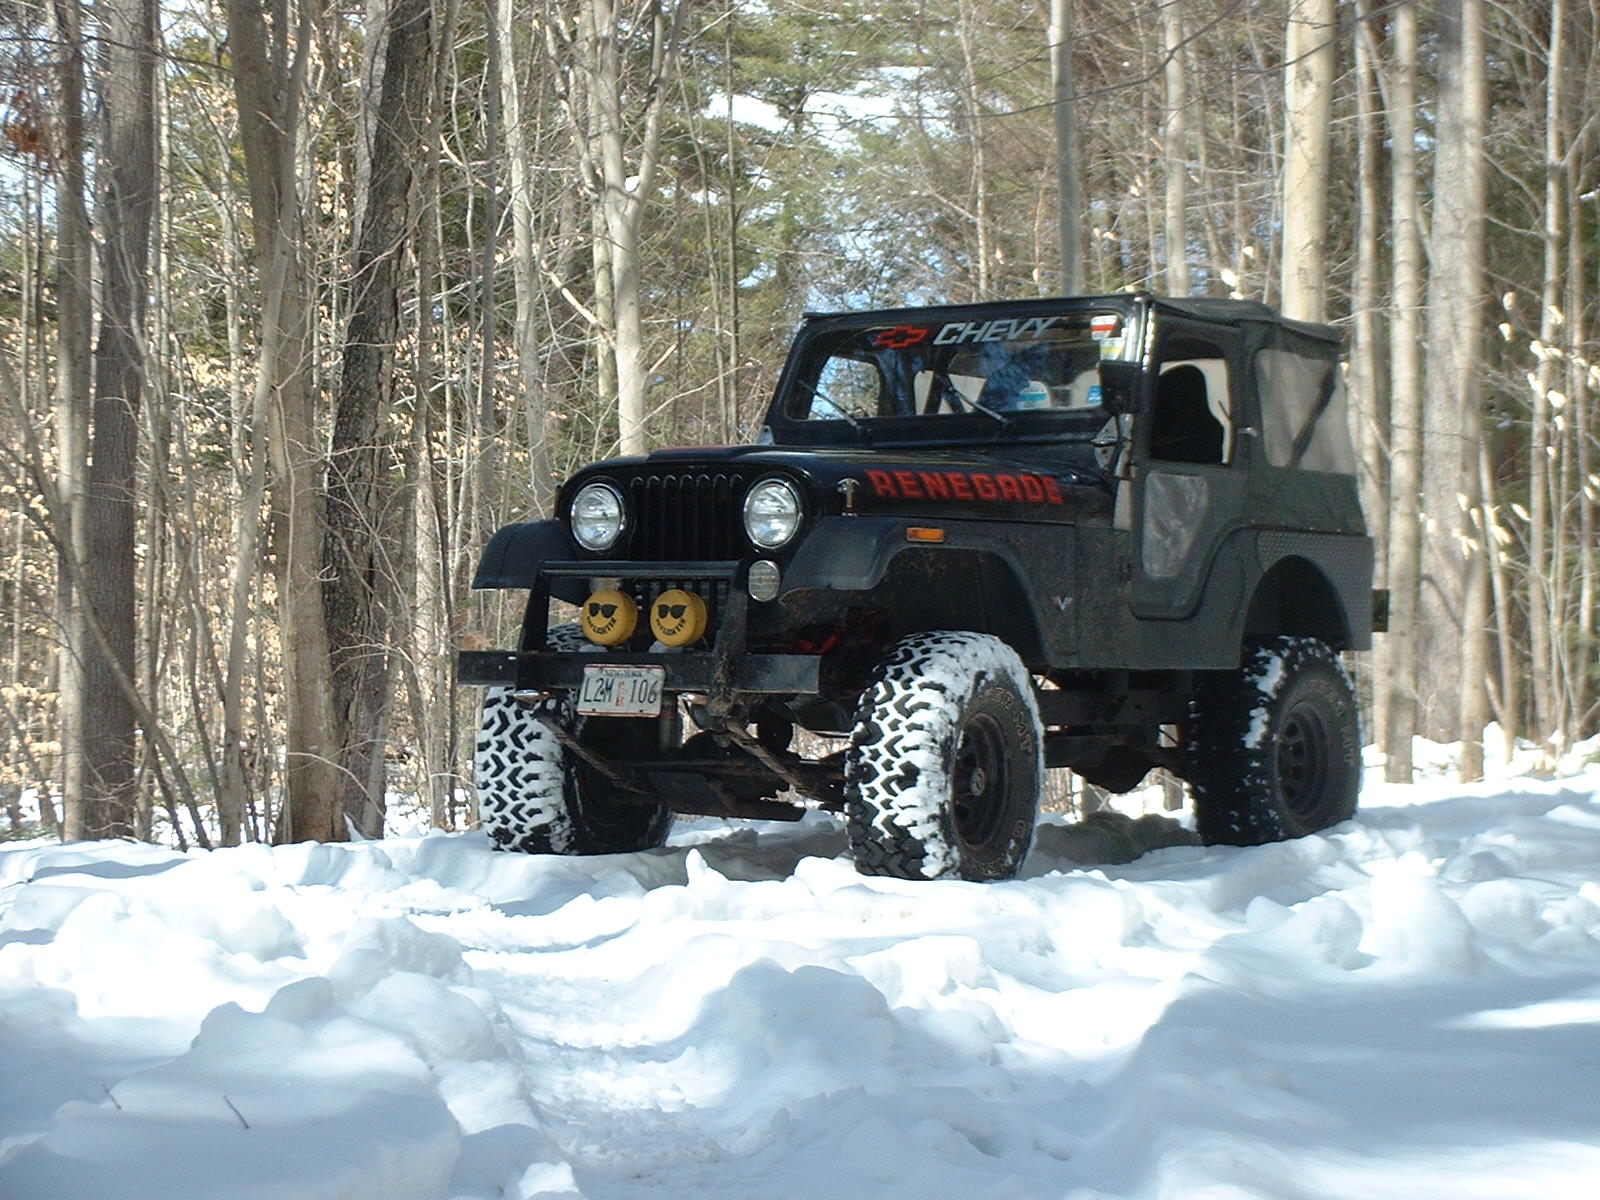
[(1405, 1006)]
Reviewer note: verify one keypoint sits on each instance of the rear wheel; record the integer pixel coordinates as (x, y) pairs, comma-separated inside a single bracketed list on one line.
[(945, 764), (1276, 746), (536, 796)]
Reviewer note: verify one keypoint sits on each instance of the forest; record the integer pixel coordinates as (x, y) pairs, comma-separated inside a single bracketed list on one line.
[(299, 301)]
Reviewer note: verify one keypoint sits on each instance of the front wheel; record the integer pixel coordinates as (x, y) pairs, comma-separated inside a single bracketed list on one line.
[(944, 768), (536, 796), (1276, 746)]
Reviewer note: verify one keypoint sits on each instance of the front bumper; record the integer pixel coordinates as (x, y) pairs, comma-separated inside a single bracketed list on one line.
[(550, 671), (721, 673)]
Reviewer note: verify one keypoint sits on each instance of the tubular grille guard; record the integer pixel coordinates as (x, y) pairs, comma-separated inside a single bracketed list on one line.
[(690, 516)]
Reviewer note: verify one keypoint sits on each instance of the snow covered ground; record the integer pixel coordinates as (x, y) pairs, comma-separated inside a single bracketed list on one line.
[(1406, 1007)]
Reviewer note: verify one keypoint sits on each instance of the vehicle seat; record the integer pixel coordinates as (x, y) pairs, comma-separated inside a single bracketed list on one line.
[(1184, 429)]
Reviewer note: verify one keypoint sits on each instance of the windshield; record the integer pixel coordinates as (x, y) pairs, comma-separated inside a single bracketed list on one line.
[(1003, 369)]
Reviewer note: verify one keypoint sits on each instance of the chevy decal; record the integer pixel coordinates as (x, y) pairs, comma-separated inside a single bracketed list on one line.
[(1002, 330)]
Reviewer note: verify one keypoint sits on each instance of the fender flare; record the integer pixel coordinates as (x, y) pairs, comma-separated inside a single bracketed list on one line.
[(515, 554), (857, 554)]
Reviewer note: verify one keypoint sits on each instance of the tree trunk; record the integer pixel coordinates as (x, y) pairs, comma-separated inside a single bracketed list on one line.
[(1069, 177), (1174, 153), (1310, 60), (1543, 620), (127, 181), (1405, 365), (361, 587), (74, 325), (623, 189), (535, 400), (1455, 593), (269, 80), (1366, 352)]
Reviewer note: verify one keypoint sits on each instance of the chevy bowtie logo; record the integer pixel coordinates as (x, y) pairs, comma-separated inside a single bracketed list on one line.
[(900, 337)]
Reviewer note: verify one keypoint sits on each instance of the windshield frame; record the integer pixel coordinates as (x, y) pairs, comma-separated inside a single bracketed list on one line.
[(957, 325)]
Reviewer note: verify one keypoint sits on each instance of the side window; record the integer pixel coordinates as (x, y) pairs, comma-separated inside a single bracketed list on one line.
[(1303, 418), (1191, 421)]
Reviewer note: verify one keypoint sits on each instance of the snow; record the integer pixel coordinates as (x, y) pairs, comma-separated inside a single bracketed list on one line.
[(1405, 1006)]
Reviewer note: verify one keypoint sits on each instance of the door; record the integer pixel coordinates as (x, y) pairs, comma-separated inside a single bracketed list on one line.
[(1189, 489)]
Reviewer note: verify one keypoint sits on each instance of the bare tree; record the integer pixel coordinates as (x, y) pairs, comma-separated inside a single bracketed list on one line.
[(1405, 385), (1455, 598), (1069, 177), (269, 70), (622, 182), (365, 521), (1543, 597), (74, 325), (126, 171), (1310, 60), (1175, 98)]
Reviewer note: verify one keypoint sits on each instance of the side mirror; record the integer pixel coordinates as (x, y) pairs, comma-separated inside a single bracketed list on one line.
[(1123, 387)]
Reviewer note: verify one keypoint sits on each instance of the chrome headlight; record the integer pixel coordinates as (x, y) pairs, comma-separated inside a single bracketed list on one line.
[(772, 513), (597, 516)]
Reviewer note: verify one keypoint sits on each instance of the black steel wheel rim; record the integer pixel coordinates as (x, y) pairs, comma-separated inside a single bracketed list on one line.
[(1304, 758), (980, 782)]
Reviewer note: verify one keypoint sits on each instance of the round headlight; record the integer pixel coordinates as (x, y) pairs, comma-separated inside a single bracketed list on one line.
[(772, 513), (597, 516)]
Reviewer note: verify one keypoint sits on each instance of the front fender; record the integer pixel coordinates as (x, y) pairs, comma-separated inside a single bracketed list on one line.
[(1019, 580), (515, 554), (849, 554)]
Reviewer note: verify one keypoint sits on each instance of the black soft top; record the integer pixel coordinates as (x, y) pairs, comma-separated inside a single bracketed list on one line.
[(1203, 308)]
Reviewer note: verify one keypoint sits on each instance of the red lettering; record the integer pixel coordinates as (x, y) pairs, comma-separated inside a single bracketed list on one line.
[(960, 486), (1032, 489), (882, 484), (935, 485), (1053, 490), (1010, 489), (909, 487), (984, 486)]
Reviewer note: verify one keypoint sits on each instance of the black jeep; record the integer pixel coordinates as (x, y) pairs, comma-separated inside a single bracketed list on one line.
[(1107, 534)]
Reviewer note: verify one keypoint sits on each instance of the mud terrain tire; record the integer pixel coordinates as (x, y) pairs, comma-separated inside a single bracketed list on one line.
[(944, 769), (1276, 746), (535, 797)]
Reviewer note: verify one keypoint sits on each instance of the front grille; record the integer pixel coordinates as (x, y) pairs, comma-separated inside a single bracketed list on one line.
[(692, 517)]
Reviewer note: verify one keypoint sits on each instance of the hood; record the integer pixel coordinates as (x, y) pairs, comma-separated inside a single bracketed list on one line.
[(943, 482)]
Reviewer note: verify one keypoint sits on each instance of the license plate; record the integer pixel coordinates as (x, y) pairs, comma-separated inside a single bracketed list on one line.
[(621, 691)]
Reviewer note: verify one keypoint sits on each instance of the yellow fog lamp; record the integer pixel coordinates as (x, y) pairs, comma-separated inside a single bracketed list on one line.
[(678, 617), (608, 617)]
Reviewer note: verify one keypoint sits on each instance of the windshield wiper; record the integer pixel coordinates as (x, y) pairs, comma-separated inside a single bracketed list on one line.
[(838, 411), (1004, 420)]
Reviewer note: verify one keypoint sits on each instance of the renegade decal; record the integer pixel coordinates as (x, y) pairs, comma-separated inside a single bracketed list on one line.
[(988, 486), (1029, 328), (901, 336)]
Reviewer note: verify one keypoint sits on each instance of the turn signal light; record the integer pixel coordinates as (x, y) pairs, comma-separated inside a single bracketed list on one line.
[(923, 533)]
